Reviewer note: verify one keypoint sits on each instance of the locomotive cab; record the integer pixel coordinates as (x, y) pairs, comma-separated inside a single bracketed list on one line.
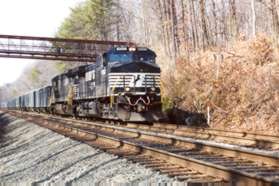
[(132, 70), (129, 54)]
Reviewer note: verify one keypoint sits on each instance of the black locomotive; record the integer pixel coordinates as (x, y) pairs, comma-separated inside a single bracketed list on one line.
[(124, 84)]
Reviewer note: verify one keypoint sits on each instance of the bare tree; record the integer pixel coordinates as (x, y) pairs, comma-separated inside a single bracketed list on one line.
[(205, 32), (233, 22), (275, 18), (253, 18)]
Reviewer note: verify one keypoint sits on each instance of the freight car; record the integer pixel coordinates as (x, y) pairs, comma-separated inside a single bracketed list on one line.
[(124, 84), (44, 97)]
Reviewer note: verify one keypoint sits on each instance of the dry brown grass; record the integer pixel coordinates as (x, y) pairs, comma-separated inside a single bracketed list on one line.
[(239, 85)]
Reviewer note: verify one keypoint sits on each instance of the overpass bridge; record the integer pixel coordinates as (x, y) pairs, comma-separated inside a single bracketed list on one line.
[(47, 48)]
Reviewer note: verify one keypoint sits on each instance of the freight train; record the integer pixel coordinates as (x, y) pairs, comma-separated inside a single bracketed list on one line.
[(123, 84)]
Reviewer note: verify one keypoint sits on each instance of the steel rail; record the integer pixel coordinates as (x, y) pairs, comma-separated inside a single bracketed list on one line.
[(270, 142)]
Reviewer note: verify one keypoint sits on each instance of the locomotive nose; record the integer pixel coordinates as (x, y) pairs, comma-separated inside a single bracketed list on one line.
[(134, 78), (141, 67)]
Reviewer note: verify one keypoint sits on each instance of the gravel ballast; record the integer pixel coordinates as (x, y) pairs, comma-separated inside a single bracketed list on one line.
[(31, 154)]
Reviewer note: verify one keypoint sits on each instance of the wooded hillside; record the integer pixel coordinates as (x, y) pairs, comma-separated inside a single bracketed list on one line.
[(220, 56), (180, 27)]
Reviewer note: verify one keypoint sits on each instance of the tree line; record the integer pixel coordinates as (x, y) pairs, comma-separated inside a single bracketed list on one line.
[(180, 27)]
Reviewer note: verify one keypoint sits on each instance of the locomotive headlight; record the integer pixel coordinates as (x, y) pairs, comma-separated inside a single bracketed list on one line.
[(127, 89), (153, 89), (132, 49)]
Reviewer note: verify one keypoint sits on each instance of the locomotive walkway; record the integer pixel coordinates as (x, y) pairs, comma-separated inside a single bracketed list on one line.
[(178, 156)]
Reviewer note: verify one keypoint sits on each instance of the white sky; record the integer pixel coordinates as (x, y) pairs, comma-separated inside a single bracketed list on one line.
[(31, 18)]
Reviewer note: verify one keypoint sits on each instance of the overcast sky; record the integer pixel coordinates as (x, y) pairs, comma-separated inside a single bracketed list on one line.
[(31, 18)]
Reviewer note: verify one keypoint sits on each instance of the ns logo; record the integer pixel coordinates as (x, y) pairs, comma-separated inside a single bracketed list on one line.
[(137, 81)]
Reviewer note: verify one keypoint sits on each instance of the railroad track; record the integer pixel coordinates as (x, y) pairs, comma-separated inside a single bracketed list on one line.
[(183, 158)]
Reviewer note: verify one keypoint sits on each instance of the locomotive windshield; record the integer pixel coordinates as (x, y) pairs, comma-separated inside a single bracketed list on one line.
[(144, 56), (120, 57), (127, 56)]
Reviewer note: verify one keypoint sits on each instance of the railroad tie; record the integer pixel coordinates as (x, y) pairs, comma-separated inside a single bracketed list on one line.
[(180, 173), (180, 169), (191, 176)]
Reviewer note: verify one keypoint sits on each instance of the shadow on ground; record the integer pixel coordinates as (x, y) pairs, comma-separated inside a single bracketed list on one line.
[(4, 121), (179, 116), (184, 117)]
